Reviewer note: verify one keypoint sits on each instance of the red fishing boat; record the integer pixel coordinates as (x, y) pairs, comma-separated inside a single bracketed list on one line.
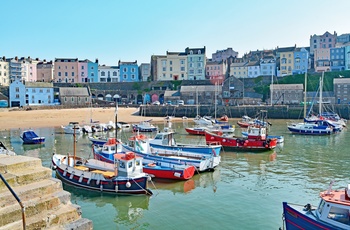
[(201, 130), (256, 140)]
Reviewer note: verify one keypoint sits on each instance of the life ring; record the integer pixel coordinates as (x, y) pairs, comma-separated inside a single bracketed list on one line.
[(224, 140)]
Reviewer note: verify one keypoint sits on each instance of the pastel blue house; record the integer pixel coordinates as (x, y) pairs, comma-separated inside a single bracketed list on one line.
[(301, 61), (337, 58), (196, 60), (31, 93), (347, 57), (129, 71), (268, 66), (17, 94), (93, 71)]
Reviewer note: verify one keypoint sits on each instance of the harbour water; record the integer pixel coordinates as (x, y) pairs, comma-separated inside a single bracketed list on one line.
[(245, 192)]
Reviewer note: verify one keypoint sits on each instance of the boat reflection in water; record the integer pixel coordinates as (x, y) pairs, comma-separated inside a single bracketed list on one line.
[(128, 209), (203, 180)]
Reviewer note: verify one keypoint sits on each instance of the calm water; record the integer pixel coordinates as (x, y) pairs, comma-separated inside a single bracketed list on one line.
[(245, 192)]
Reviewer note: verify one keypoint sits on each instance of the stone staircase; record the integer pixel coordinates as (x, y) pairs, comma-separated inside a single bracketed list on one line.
[(47, 205)]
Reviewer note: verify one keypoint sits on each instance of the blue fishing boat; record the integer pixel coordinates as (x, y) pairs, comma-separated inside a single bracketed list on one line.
[(30, 137), (332, 212), (166, 141)]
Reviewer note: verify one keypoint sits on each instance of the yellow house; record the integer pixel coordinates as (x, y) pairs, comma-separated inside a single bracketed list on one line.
[(286, 55), (172, 67), (239, 70)]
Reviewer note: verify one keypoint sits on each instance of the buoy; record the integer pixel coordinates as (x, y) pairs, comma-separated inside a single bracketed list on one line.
[(128, 184)]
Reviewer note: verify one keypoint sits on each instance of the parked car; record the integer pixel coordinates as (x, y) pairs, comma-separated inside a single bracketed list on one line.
[(180, 102), (156, 103)]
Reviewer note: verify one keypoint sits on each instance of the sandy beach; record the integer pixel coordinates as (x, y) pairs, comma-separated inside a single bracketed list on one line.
[(57, 117)]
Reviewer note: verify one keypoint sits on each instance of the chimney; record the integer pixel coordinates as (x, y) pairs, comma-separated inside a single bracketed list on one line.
[(16, 58), (96, 61)]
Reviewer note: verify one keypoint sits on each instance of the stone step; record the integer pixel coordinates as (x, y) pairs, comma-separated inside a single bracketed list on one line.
[(47, 205), (25, 176), (34, 206), (27, 192), (63, 217), (17, 163)]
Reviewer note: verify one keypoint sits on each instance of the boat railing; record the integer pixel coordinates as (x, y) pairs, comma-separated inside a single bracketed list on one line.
[(210, 143), (17, 198)]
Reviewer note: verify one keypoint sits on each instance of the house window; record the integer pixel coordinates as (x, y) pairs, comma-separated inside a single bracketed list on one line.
[(40, 91), (171, 68), (170, 62), (133, 76), (182, 68), (103, 73), (124, 69), (82, 67), (17, 96), (125, 76), (72, 74), (59, 74), (17, 89), (132, 70), (115, 73), (33, 90), (66, 74)]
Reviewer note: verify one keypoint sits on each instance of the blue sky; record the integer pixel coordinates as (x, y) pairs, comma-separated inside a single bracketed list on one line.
[(130, 30)]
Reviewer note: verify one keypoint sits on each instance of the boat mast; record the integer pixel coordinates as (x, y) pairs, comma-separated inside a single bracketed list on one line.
[(116, 120), (74, 144), (271, 87), (216, 89), (197, 99), (320, 100), (305, 93)]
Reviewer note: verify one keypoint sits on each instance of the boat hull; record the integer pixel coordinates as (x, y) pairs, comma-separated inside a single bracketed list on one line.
[(297, 130), (241, 144), (94, 180), (206, 150), (34, 141), (169, 173), (294, 219)]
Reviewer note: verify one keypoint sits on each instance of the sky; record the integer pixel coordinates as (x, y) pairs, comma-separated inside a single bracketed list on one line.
[(129, 30)]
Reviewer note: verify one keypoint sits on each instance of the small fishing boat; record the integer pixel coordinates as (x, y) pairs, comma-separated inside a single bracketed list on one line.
[(30, 137), (166, 140), (332, 212), (72, 128), (256, 140), (157, 169), (144, 126), (163, 170), (98, 140), (124, 176), (200, 130), (280, 138)]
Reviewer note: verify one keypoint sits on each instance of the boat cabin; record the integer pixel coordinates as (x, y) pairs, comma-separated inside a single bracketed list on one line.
[(164, 138), (334, 208), (258, 133), (129, 164), (111, 146)]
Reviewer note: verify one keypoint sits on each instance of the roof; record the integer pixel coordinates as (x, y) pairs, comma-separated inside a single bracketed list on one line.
[(287, 86), (38, 84), (73, 91), (286, 49), (170, 93), (341, 80), (200, 88)]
